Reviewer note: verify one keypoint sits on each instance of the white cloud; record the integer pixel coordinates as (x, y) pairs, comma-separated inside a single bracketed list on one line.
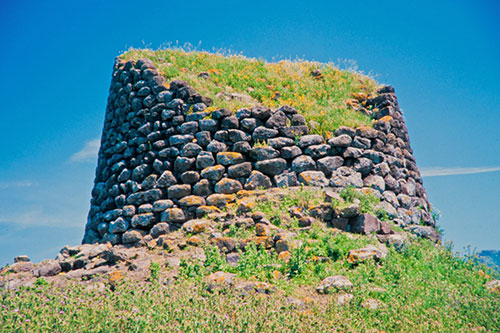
[(438, 171), (16, 184), (88, 153)]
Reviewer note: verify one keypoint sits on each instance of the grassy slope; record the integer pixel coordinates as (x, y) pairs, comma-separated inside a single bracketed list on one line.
[(323, 100), (421, 287), (426, 288)]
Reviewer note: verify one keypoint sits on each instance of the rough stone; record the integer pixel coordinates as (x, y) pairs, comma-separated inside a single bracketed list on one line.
[(257, 180), (120, 225), (190, 177), (303, 163), (277, 120), (271, 167), (236, 135), (47, 268), (342, 140), (173, 215), (143, 220), (240, 170), (228, 186), (261, 112), (213, 173), (202, 188), (357, 256), (131, 237), (179, 191), (229, 158), (309, 140), (365, 224), (204, 160), (160, 229), (192, 200), (161, 205), (183, 164), (263, 153), (317, 151), (190, 150), (286, 179), (329, 164), (334, 283), (425, 232), (313, 178), (216, 147), (264, 133), (290, 152), (220, 199), (345, 176)]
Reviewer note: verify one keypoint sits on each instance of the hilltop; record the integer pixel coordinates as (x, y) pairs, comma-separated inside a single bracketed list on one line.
[(233, 193)]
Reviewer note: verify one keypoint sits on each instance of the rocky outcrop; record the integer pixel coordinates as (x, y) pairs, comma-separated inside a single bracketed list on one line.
[(164, 156)]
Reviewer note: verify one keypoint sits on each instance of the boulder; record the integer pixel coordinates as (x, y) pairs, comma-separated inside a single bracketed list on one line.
[(213, 173), (271, 167), (365, 224), (313, 178), (229, 158), (334, 283), (47, 268), (303, 163), (257, 180), (329, 164), (368, 252), (263, 153), (228, 186), (160, 229), (240, 170), (309, 140), (425, 232), (173, 215)]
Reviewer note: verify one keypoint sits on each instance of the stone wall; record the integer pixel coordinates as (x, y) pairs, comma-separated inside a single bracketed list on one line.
[(163, 158)]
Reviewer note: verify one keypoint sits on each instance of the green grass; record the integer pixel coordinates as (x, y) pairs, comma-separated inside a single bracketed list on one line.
[(426, 288), (321, 100)]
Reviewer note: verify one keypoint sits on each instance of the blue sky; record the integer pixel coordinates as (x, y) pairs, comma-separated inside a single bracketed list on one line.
[(56, 59)]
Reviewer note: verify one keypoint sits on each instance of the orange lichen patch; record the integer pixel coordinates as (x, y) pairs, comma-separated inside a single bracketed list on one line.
[(284, 256), (193, 240), (385, 119), (220, 277), (220, 200), (308, 300), (360, 96), (245, 193), (261, 229), (208, 209), (229, 157), (305, 313), (352, 103), (266, 241), (245, 204), (114, 277), (364, 129), (196, 226), (295, 211), (356, 256), (192, 200)]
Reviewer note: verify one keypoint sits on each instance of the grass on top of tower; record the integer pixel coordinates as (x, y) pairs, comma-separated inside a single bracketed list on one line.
[(321, 92)]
